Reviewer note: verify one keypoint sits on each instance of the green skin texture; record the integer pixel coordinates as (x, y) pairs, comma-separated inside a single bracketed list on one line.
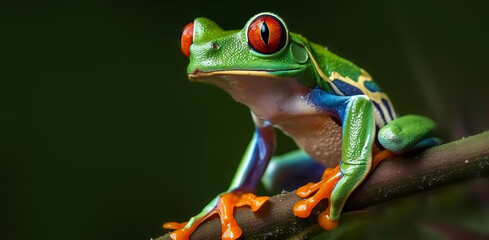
[(295, 61)]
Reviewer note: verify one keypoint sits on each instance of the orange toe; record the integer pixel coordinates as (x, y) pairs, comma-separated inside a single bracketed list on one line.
[(174, 225), (380, 156), (327, 172), (182, 233), (308, 189), (325, 221), (251, 200)]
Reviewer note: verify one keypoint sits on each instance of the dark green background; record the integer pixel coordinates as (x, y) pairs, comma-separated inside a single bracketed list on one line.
[(103, 137)]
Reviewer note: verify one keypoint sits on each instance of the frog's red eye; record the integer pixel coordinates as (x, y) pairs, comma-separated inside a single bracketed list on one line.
[(266, 34), (186, 38)]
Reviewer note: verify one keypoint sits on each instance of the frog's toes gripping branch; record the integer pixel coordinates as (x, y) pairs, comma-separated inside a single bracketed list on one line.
[(224, 206), (323, 190)]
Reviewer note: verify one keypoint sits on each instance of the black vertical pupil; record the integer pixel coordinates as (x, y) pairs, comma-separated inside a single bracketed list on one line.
[(265, 32)]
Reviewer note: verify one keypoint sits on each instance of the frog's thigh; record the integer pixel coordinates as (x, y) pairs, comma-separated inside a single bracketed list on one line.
[(290, 171), (408, 133)]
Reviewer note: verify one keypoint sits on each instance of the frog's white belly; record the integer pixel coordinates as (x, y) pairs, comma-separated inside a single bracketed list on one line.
[(281, 101), (319, 135)]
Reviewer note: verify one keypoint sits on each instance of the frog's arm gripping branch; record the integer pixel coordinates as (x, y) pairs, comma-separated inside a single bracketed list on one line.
[(453, 162), (255, 160), (240, 192)]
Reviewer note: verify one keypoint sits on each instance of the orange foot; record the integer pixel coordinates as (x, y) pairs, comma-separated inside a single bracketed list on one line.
[(225, 208), (324, 189), (381, 156)]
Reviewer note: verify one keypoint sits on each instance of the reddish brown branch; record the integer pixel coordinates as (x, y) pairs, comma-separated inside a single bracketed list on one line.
[(397, 177)]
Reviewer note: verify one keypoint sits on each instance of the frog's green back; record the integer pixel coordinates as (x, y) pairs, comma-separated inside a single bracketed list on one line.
[(330, 62), (342, 77)]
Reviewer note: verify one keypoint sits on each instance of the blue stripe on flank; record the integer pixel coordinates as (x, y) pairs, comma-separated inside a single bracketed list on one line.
[(388, 106), (325, 101), (347, 89), (372, 86), (380, 111)]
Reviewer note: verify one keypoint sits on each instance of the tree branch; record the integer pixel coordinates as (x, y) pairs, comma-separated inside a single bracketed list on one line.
[(399, 176)]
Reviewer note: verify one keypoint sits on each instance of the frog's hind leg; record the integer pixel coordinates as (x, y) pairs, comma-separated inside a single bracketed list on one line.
[(290, 171), (358, 133), (408, 133)]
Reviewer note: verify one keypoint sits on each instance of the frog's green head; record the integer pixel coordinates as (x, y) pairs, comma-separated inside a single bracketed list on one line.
[(264, 49)]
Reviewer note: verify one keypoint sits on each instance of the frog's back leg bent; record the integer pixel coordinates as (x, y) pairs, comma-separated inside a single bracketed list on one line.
[(401, 135), (358, 134), (408, 133), (358, 138)]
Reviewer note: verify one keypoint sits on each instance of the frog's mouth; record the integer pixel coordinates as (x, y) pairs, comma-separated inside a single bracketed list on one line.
[(246, 82), (201, 76), (251, 87)]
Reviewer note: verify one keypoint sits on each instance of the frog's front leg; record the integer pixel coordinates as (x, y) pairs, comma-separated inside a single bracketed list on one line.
[(240, 192), (358, 133)]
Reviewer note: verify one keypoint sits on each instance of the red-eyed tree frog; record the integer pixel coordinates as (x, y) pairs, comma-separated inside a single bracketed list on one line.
[(331, 108)]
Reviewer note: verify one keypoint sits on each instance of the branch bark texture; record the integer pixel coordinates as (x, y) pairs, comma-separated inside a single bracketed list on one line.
[(399, 176)]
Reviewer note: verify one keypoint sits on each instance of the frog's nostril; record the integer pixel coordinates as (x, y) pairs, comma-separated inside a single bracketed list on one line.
[(215, 46)]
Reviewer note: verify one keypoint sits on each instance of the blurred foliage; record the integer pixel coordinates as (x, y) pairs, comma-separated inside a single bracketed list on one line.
[(103, 137)]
